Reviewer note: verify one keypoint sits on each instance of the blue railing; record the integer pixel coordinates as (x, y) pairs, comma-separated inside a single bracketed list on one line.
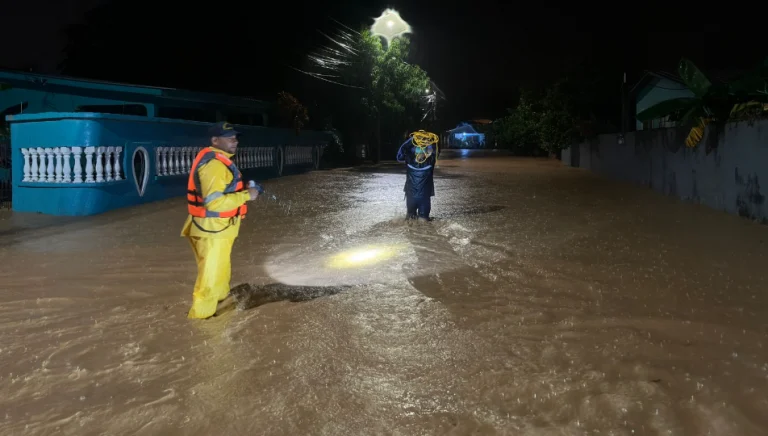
[(76, 164)]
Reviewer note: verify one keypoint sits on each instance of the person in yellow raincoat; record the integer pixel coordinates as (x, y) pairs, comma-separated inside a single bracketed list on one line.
[(216, 198)]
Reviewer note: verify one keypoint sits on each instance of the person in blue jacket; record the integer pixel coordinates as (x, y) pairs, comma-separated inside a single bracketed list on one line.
[(419, 153)]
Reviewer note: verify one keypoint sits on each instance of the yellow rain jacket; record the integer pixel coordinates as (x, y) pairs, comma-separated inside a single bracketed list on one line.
[(213, 250)]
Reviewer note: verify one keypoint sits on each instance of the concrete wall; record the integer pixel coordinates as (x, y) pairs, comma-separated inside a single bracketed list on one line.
[(135, 135), (724, 171)]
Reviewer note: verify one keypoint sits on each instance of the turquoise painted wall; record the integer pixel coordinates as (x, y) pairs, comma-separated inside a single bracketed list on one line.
[(50, 130)]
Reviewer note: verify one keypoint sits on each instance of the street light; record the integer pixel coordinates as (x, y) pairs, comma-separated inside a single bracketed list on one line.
[(390, 25)]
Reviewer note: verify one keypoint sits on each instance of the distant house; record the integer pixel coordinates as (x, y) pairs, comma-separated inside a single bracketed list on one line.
[(655, 87), (22, 92), (465, 135), (658, 86)]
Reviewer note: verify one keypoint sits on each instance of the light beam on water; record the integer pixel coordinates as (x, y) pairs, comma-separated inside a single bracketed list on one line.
[(323, 267), (352, 265)]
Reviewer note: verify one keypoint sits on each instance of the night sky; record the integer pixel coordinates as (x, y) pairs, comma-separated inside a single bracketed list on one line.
[(479, 53)]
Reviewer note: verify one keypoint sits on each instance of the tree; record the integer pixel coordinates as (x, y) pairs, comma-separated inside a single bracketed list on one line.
[(519, 130), (395, 87), (549, 120), (712, 102), (560, 118), (293, 113), (381, 92)]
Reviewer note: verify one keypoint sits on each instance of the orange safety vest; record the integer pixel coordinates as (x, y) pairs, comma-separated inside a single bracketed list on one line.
[(195, 200)]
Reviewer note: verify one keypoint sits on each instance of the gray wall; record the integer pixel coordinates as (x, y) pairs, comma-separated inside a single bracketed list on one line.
[(724, 171)]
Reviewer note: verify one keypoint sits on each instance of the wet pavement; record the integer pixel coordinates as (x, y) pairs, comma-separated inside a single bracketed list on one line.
[(542, 300)]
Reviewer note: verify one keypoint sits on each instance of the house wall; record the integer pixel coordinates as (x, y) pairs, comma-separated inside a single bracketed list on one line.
[(725, 178), (64, 162), (659, 90)]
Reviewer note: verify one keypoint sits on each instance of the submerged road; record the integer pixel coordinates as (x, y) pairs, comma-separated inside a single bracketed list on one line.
[(542, 300)]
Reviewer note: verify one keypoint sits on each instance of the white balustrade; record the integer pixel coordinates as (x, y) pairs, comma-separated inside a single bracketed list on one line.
[(177, 160), (58, 165), (41, 168), (27, 177), (32, 163), (118, 172), (253, 157), (158, 161), (166, 164), (173, 161), (100, 164), (108, 164), (186, 153), (89, 152), (77, 155), (181, 160), (66, 176), (298, 155), (59, 172), (51, 168)]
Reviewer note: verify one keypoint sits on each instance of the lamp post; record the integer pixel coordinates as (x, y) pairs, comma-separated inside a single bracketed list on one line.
[(623, 110), (389, 25)]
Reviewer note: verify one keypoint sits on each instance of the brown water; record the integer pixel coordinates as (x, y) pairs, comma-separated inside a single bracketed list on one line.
[(541, 301)]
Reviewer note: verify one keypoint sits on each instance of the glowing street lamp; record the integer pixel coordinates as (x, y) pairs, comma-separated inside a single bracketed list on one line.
[(390, 25)]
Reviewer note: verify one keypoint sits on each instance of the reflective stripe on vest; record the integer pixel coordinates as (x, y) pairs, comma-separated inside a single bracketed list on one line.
[(196, 203)]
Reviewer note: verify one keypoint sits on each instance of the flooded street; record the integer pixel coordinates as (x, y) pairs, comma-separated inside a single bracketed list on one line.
[(542, 300)]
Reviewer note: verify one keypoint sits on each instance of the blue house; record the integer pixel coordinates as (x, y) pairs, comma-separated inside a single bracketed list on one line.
[(655, 87), (465, 135), (82, 147)]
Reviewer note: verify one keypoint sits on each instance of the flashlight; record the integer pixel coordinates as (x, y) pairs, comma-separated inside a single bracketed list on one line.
[(252, 184)]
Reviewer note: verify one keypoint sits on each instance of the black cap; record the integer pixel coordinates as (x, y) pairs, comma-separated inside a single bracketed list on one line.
[(222, 129)]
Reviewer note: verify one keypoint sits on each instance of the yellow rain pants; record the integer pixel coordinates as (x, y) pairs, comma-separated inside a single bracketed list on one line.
[(214, 270), (212, 239)]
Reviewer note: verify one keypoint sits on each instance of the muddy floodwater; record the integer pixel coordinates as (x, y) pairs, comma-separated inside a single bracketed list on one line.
[(542, 300)]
